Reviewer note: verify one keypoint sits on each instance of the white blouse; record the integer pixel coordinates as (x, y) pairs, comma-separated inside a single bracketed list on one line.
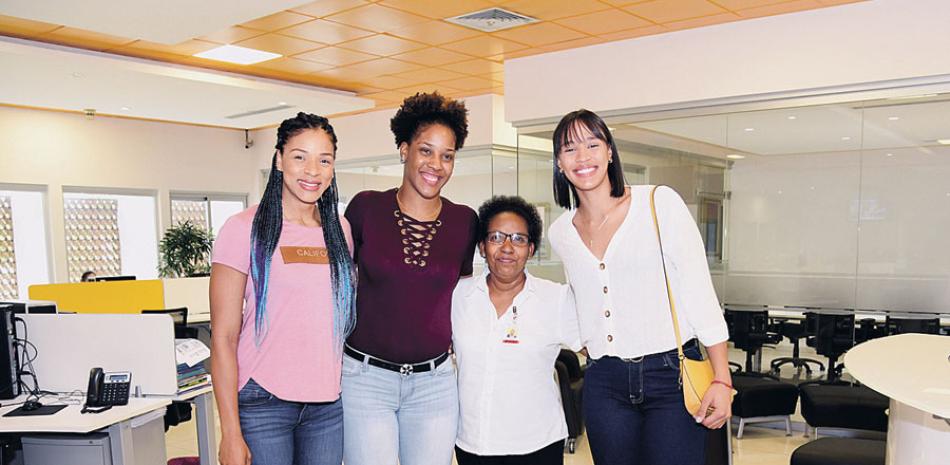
[(622, 303), (509, 400)]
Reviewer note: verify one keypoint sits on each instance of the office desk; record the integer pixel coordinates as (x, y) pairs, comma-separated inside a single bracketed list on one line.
[(913, 370), (118, 420), (204, 420)]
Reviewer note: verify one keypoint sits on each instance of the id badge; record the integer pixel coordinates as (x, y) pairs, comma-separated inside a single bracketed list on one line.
[(511, 336)]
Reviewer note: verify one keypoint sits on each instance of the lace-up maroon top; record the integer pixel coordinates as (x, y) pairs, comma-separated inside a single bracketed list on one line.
[(407, 272)]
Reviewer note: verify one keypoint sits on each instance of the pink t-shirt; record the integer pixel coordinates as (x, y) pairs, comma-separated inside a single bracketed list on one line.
[(296, 359)]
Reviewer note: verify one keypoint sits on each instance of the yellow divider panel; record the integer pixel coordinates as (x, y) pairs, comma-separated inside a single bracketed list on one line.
[(103, 297)]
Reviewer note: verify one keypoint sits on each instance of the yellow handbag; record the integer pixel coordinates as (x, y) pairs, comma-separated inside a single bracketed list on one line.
[(695, 375)]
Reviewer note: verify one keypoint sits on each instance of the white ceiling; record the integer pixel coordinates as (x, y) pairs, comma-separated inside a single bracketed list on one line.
[(164, 21), (48, 76), (819, 129)]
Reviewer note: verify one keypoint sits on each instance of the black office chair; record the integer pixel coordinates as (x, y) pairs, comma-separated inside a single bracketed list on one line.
[(794, 331), (833, 336), (749, 331), (896, 325), (180, 320), (570, 377)]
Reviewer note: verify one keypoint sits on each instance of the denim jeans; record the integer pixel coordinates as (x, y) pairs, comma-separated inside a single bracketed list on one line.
[(279, 432), (634, 412), (388, 415)]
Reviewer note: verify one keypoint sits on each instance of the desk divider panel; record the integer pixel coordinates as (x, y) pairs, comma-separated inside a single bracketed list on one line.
[(68, 346), (102, 297), (188, 292)]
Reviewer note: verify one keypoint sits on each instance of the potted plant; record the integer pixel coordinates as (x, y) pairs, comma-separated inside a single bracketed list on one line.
[(185, 250)]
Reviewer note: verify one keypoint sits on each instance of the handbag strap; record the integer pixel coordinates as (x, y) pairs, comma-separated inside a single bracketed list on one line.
[(669, 292)]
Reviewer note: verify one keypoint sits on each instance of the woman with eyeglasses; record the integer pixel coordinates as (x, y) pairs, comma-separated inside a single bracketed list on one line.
[(508, 328)]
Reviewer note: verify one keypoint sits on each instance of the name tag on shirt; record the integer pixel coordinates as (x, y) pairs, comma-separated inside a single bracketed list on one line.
[(315, 255), (511, 336)]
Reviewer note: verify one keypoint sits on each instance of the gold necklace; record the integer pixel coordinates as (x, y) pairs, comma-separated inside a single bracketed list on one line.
[(437, 210)]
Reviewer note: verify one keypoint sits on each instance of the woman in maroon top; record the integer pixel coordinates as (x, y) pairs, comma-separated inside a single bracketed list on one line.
[(400, 398)]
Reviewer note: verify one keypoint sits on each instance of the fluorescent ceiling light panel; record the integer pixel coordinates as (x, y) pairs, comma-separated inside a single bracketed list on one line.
[(735, 156), (943, 141), (238, 55)]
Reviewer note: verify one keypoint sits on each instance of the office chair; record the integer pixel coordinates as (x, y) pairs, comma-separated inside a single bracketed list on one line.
[(571, 383), (833, 336), (794, 331), (180, 319), (749, 331), (897, 325)]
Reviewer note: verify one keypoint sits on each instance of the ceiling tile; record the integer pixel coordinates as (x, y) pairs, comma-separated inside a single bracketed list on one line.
[(484, 46), (343, 74), (477, 66), (700, 22), (382, 45), (604, 22), (469, 83), (632, 33), (335, 56), (327, 32), (498, 77), (277, 21), (293, 65), (428, 88), (390, 82), (665, 11), (743, 4), (429, 75), (189, 47), (838, 2), (621, 2), (24, 27), (381, 66), (323, 8), (232, 34), (387, 96), (781, 8), (376, 18), (435, 32), (539, 34), (85, 39), (553, 9), (276, 43), (438, 9), (432, 56), (572, 44)]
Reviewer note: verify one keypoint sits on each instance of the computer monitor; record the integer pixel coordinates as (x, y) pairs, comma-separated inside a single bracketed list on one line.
[(115, 278), (30, 306)]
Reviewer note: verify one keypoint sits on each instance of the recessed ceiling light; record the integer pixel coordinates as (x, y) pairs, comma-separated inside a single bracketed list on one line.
[(77, 74), (126, 108), (943, 141), (792, 117), (238, 55), (749, 129), (846, 138), (735, 156), (282, 103), (893, 118), (889, 155)]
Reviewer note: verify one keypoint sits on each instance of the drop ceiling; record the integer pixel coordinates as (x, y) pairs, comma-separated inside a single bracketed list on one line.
[(379, 50)]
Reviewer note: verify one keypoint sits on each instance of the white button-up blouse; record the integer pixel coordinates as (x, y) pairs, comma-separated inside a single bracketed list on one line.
[(622, 303), (508, 397)]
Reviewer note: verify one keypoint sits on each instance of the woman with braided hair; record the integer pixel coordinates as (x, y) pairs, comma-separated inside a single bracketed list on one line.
[(400, 396), (282, 302)]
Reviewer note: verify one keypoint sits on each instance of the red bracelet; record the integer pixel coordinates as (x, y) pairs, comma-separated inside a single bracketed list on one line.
[(716, 381)]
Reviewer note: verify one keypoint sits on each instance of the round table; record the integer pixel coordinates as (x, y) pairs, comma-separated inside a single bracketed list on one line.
[(914, 371)]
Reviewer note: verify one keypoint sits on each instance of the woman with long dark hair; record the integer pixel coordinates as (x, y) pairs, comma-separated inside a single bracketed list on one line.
[(633, 399), (282, 303), (411, 244)]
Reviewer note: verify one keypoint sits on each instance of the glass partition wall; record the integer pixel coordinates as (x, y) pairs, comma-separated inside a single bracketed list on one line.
[(833, 206)]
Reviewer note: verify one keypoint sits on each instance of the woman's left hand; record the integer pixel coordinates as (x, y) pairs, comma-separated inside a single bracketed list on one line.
[(716, 405)]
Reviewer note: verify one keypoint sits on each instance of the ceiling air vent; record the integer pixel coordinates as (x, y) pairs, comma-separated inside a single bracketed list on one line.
[(491, 20), (259, 112)]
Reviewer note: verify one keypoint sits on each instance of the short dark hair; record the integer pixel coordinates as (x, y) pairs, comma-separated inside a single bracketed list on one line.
[(568, 131), (421, 110), (510, 204)]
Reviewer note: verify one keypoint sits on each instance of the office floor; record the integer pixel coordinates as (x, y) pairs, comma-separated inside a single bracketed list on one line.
[(758, 446)]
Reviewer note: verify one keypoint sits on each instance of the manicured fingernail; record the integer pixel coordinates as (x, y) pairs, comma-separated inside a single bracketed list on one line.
[(698, 419)]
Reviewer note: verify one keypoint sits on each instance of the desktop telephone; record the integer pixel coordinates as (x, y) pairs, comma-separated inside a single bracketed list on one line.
[(108, 389)]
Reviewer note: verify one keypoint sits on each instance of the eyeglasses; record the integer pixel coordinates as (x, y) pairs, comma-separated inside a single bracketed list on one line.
[(498, 237)]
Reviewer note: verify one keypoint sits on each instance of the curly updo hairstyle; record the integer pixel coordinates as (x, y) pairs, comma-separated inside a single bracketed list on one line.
[(510, 204), (422, 110)]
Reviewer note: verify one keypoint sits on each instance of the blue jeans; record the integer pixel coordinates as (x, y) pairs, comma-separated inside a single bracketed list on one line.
[(282, 433), (635, 415), (388, 415)]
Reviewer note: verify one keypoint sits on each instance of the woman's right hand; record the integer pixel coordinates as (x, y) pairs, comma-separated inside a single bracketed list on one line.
[(234, 451)]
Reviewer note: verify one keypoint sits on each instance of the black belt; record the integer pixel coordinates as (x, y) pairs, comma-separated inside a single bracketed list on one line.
[(401, 368)]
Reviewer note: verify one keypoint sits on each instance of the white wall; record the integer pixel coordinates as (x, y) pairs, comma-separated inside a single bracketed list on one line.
[(29, 238), (57, 149), (865, 42)]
